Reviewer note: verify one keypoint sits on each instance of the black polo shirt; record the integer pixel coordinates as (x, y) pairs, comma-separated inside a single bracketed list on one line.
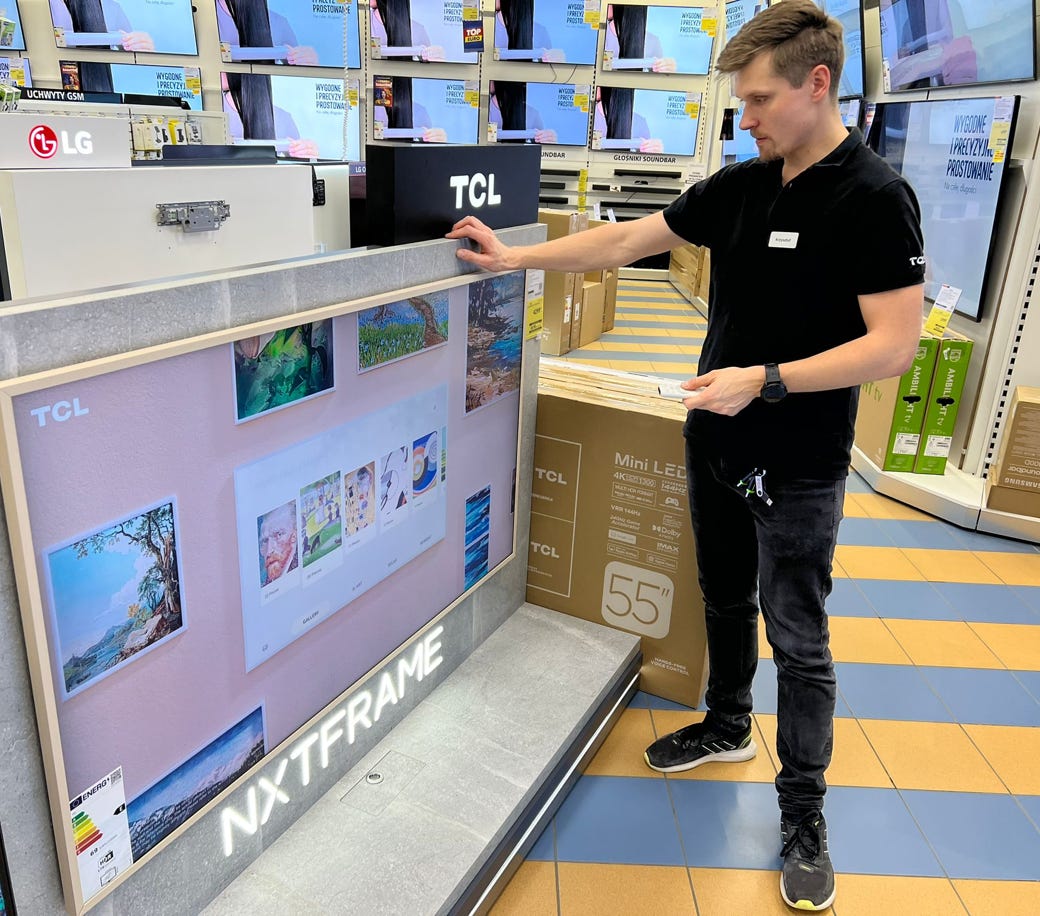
[(787, 265)]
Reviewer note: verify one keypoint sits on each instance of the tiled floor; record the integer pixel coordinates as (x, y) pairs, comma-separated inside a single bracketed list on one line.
[(934, 805)]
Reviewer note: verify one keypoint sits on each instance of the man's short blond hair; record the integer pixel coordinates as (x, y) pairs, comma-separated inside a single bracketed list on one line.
[(801, 37)]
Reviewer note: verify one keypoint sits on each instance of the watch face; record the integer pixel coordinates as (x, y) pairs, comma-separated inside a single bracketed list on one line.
[(774, 392)]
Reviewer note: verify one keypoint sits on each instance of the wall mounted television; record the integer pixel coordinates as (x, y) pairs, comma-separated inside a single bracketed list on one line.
[(659, 39), (954, 154), (740, 11), (427, 30), (421, 110), (926, 43), (11, 37), (288, 32), (349, 479), (137, 79), (136, 26), (16, 71), (301, 116), (646, 121), (546, 31), (551, 113)]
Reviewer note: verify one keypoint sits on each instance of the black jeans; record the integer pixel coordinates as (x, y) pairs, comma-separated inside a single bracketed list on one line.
[(777, 558)]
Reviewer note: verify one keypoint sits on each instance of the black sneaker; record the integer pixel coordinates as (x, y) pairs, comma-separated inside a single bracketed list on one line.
[(807, 878), (695, 744)]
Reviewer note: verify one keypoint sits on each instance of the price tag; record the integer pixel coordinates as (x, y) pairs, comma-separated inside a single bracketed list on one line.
[(939, 317), (709, 25), (693, 109), (581, 101), (473, 97), (592, 10)]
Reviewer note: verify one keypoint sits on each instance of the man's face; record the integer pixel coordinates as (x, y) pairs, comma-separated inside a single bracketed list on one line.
[(780, 116), (278, 543)]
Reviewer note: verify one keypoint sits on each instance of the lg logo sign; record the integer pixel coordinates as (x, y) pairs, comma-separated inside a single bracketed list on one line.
[(44, 142)]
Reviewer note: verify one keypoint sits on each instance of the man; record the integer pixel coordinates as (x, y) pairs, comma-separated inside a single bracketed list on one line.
[(816, 286), (277, 542)]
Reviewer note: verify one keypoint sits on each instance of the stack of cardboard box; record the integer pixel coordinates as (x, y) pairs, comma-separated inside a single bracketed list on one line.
[(578, 307), (611, 539), (1013, 483), (906, 423), (689, 270)]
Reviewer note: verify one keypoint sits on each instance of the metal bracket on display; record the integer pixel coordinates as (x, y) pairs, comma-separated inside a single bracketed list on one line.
[(194, 216)]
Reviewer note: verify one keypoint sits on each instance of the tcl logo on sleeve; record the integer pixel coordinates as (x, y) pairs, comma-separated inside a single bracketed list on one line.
[(43, 142), (918, 261)]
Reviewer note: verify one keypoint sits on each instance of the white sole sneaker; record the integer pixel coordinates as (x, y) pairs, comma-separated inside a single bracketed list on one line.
[(737, 755)]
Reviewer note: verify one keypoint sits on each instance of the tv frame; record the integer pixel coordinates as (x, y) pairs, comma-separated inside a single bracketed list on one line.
[(877, 124), (95, 45), (380, 134), (528, 83), (517, 54), (648, 7), (974, 83), (613, 143)]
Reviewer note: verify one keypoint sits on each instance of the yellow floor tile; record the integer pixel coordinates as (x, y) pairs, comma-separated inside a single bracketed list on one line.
[(1000, 898), (598, 345), (735, 892), (877, 506), (642, 332), (943, 643), (952, 566), (868, 895), (670, 349), (602, 362), (1014, 568), (931, 755), (1016, 645), (622, 752), (632, 366), (689, 351), (876, 563), (853, 763), (689, 368), (837, 570), (853, 507), (759, 769), (764, 649), (531, 892), (1014, 752), (866, 640), (622, 890)]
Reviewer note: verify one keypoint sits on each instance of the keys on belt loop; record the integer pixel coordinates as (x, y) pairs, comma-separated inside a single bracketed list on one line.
[(753, 485)]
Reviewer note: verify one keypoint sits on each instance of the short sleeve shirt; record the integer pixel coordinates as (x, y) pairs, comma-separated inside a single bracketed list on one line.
[(788, 263)]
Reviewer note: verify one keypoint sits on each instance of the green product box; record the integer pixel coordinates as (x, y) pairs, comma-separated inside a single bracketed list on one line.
[(944, 401), (891, 412)]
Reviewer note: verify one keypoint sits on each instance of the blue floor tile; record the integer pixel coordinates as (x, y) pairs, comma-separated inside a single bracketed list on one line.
[(856, 484), (889, 692), (728, 824), (978, 836), (870, 832), (648, 701), (615, 338), (1029, 594), (1031, 681), (863, 532), (910, 600), (613, 819), (980, 541), (764, 691), (846, 600), (920, 534), (544, 847), (986, 603), (1032, 805), (669, 325), (979, 697)]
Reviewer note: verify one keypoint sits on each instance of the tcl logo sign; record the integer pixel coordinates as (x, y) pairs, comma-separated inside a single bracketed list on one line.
[(44, 142)]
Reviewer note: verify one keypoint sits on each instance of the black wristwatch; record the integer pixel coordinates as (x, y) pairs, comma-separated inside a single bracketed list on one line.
[(774, 389)]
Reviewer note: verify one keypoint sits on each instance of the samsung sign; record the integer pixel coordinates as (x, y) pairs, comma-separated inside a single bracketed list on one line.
[(32, 141), (417, 192)]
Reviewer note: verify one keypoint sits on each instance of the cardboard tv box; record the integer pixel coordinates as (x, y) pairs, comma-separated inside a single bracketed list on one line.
[(1013, 483), (562, 294), (891, 412), (944, 401), (611, 539), (609, 279)]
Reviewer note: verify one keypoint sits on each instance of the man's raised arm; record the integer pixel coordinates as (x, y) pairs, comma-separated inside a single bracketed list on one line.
[(611, 245)]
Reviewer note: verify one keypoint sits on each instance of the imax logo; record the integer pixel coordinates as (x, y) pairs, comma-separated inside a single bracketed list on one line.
[(481, 190)]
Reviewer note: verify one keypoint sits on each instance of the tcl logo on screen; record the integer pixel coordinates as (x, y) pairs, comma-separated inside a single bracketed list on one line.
[(43, 142)]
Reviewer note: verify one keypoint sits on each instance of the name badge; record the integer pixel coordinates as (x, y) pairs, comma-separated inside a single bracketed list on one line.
[(783, 239)]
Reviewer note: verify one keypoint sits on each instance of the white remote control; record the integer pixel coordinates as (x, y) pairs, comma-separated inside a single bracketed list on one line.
[(673, 391)]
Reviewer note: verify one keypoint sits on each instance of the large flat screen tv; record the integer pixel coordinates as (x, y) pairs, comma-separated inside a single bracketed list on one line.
[(953, 152), (420, 110), (16, 71), (538, 113), (547, 31), (850, 14), (135, 26), (927, 43), (288, 32), (428, 30), (301, 116), (646, 120), (11, 37), (136, 79), (659, 39), (740, 11)]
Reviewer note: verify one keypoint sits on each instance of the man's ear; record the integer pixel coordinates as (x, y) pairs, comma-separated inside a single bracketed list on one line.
[(819, 81)]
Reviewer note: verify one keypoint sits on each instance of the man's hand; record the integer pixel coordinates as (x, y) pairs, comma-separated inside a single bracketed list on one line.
[(492, 254), (726, 391)]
